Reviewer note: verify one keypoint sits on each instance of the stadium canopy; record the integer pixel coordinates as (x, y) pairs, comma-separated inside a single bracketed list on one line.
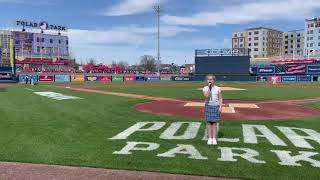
[(103, 67), (117, 68), (88, 67)]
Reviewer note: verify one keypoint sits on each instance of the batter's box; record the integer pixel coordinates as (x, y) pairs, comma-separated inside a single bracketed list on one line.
[(230, 108)]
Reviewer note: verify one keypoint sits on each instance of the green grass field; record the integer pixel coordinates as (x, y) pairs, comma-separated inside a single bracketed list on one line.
[(76, 132)]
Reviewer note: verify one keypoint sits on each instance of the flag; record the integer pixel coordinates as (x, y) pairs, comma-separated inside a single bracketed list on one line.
[(296, 69)]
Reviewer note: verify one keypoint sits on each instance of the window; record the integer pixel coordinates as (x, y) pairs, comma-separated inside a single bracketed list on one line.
[(298, 52), (311, 44), (286, 37), (42, 39), (319, 31), (311, 38), (250, 33), (319, 37), (256, 38), (241, 34), (319, 44), (38, 49), (249, 39), (286, 52), (256, 49), (59, 41), (298, 40), (307, 38), (312, 25), (311, 31), (286, 47), (236, 45), (298, 35), (256, 44), (38, 39), (264, 38), (17, 42), (286, 42), (51, 41), (249, 44), (291, 41), (255, 56), (291, 52), (256, 32), (241, 45), (235, 35), (298, 46), (292, 35), (307, 44), (263, 43), (291, 46), (241, 40), (263, 49), (236, 40)]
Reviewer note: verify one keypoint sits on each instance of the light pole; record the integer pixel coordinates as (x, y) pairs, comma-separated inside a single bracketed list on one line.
[(157, 10)]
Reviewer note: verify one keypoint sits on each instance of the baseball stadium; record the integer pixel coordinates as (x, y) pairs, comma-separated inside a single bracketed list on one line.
[(113, 122)]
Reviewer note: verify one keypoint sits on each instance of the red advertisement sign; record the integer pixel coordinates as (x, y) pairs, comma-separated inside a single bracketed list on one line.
[(46, 78), (274, 78), (105, 78), (129, 78)]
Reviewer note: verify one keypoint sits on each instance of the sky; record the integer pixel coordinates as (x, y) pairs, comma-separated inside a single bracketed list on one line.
[(125, 30)]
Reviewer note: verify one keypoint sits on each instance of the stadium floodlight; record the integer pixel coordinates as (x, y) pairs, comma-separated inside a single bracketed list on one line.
[(157, 10)]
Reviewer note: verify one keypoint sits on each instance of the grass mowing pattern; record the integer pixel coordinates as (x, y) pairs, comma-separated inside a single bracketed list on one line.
[(76, 132)]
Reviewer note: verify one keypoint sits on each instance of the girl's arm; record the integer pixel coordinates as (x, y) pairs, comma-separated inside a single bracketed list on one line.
[(220, 101)]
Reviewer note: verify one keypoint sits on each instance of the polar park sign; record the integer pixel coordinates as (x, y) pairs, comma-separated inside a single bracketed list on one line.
[(304, 153)]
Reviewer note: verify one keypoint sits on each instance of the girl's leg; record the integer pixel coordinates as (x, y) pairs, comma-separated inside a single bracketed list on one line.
[(209, 129), (214, 130)]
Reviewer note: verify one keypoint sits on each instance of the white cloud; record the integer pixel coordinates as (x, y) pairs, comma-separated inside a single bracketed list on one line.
[(129, 7), (249, 12)]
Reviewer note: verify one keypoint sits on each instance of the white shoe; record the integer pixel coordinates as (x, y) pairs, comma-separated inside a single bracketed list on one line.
[(214, 141), (209, 142)]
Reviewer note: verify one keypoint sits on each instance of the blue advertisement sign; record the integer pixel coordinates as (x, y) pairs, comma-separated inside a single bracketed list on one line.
[(22, 77), (181, 78), (313, 69), (289, 78), (153, 78), (62, 78), (304, 78), (140, 78), (266, 70)]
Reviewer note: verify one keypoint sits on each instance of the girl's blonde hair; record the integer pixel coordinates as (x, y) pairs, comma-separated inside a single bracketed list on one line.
[(211, 75)]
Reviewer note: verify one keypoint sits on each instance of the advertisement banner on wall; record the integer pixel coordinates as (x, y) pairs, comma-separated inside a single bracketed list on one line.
[(266, 70), (274, 78), (289, 78), (129, 78), (181, 78), (92, 78), (62, 78), (105, 78), (153, 78), (117, 78), (262, 78), (313, 69), (140, 78), (304, 78), (22, 77), (46, 78), (77, 78), (166, 78)]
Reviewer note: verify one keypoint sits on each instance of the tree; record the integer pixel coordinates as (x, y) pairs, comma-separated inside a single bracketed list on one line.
[(173, 67), (148, 63)]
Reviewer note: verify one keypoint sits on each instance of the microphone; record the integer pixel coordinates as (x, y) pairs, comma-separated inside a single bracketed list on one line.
[(210, 86)]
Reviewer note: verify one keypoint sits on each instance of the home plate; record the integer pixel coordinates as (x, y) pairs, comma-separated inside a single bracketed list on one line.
[(228, 89)]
